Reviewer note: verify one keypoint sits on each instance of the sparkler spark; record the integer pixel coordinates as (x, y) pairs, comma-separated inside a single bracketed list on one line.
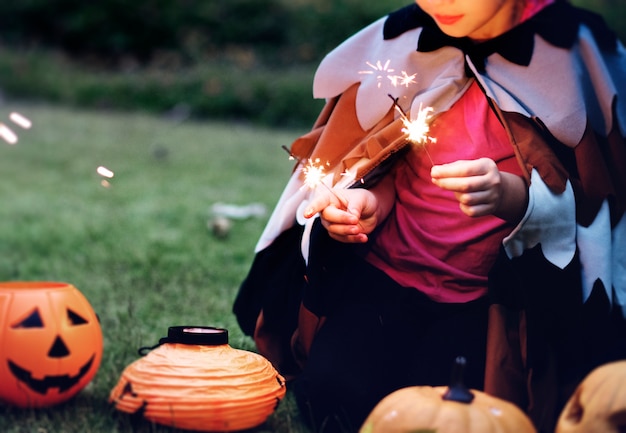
[(404, 80), (7, 134), (313, 172), (20, 120), (350, 175), (417, 129), (105, 172)]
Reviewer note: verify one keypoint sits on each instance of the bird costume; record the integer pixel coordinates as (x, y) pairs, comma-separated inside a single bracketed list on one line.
[(557, 84)]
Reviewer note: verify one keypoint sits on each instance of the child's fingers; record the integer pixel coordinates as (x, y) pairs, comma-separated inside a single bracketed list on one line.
[(316, 205), (462, 168), (339, 216)]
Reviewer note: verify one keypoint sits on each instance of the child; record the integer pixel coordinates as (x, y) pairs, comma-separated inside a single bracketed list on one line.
[(494, 235)]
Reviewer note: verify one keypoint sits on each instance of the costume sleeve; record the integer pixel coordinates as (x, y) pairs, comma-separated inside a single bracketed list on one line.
[(550, 220)]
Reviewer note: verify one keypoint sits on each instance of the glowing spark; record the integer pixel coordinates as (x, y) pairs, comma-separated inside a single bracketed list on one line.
[(313, 173), (105, 172), (314, 176), (350, 175), (403, 80), (417, 129), (20, 120), (378, 67), (7, 134), (406, 80)]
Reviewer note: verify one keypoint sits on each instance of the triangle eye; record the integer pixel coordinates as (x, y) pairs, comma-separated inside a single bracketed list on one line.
[(75, 318), (33, 320)]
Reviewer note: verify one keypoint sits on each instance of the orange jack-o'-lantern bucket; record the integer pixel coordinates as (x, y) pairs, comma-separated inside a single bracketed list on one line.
[(50, 343), (194, 380)]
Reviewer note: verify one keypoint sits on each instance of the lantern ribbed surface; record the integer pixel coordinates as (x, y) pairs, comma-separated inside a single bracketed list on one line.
[(200, 387)]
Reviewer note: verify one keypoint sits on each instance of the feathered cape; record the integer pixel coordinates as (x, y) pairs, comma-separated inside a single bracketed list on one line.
[(559, 287)]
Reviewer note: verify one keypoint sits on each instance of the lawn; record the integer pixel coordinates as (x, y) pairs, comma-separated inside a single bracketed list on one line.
[(140, 248)]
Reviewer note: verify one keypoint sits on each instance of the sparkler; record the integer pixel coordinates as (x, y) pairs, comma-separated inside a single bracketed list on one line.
[(417, 130), (314, 176)]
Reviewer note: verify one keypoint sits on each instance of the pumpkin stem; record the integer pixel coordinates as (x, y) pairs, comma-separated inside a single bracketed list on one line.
[(457, 391)]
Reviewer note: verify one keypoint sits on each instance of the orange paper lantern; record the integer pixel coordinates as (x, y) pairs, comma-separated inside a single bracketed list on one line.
[(194, 380), (50, 343)]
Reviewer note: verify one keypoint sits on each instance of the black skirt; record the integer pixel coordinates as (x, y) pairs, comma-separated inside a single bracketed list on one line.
[(378, 337)]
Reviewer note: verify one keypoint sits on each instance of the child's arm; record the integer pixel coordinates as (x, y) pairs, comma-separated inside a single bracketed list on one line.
[(482, 189), (366, 208)]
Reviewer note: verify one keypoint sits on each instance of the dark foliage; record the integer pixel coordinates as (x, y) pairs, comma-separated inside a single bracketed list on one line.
[(195, 29), (116, 28)]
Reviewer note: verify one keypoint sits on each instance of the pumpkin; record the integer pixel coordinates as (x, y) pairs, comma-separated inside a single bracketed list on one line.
[(50, 343), (442, 409), (194, 380), (598, 404)]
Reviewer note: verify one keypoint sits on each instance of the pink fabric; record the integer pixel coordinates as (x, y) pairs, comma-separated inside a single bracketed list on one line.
[(534, 6), (428, 243)]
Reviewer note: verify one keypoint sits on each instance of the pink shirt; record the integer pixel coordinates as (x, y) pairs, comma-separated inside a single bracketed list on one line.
[(427, 242)]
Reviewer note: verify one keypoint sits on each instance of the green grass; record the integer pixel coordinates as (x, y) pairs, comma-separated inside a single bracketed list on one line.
[(139, 250)]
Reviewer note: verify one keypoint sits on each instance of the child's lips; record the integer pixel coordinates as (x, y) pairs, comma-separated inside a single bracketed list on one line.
[(448, 20)]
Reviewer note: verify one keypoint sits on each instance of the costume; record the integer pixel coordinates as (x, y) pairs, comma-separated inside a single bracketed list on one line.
[(558, 287)]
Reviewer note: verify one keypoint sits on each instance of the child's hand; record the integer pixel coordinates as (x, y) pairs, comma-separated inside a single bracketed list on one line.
[(349, 224), (482, 189)]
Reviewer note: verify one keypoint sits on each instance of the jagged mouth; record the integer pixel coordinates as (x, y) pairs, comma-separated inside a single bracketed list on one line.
[(41, 386)]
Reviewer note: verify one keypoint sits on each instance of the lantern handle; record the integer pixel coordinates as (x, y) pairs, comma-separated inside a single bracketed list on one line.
[(196, 335), (143, 351)]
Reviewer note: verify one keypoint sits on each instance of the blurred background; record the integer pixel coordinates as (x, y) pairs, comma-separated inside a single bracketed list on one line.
[(247, 60)]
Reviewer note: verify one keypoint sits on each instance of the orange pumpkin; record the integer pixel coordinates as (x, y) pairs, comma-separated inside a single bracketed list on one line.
[(598, 404), (444, 409), (50, 343)]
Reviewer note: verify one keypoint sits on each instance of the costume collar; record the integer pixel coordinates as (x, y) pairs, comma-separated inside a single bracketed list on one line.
[(516, 45)]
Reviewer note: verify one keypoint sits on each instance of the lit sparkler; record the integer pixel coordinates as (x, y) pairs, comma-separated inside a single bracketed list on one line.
[(314, 175), (417, 129)]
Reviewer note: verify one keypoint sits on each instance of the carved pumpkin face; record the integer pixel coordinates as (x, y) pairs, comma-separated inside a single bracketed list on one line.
[(599, 402), (50, 343)]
